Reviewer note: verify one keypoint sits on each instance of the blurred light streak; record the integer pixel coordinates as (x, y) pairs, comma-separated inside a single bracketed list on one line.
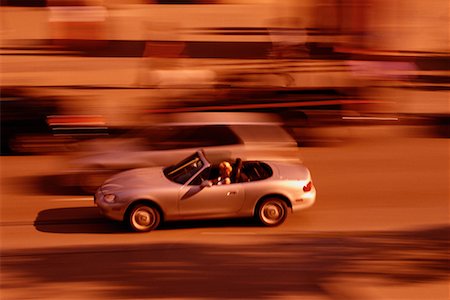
[(91, 199), (370, 118)]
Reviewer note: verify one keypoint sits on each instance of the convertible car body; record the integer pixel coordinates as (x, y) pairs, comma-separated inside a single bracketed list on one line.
[(267, 190)]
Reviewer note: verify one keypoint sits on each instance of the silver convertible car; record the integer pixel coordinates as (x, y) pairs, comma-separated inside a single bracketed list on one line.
[(266, 190)]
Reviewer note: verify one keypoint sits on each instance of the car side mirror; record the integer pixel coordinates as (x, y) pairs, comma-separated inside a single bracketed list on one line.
[(206, 183)]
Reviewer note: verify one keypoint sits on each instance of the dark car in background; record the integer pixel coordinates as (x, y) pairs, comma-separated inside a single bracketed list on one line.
[(32, 123), (24, 127)]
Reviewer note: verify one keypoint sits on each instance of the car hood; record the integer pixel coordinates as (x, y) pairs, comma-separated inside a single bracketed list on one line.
[(136, 179)]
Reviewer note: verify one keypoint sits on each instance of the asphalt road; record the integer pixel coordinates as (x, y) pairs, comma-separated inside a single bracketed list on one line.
[(379, 230)]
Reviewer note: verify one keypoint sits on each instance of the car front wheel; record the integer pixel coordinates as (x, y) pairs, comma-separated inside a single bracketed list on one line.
[(143, 218), (271, 212)]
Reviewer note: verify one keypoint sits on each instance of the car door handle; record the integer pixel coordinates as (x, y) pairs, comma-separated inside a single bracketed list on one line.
[(231, 193)]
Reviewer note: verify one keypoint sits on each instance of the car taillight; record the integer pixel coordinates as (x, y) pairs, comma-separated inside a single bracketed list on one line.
[(307, 187)]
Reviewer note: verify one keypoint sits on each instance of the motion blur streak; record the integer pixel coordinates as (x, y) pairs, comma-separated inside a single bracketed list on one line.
[(357, 90)]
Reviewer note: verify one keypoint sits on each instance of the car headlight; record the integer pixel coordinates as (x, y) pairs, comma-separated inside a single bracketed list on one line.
[(109, 198)]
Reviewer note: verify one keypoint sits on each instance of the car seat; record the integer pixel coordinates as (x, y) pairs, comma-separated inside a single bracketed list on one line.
[(236, 173)]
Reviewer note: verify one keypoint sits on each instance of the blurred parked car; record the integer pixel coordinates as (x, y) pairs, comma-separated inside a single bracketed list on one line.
[(24, 128), (223, 135), (34, 124), (267, 190)]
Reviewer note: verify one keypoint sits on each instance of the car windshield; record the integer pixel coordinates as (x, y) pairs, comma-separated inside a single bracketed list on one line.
[(182, 171)]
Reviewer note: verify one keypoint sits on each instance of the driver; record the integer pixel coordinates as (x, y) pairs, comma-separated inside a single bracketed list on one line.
[(224, 173)]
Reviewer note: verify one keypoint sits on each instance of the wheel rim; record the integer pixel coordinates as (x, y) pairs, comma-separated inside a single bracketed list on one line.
[(272, 212), (143, 218)]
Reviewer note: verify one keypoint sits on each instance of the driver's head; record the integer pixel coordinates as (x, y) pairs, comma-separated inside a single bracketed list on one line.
[(225, 168)]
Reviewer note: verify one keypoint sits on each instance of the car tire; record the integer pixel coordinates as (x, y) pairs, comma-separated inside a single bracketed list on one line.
[(271, 212), (143, 218)]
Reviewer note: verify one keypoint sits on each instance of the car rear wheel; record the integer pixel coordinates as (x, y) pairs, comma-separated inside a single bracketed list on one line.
[(271, 212), (143, 218)]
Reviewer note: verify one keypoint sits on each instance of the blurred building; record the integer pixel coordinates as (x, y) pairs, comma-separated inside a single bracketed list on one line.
[(374, 24), (400, 47)]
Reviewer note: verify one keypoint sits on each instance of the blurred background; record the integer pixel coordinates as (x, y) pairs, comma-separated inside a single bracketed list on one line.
[(331, 66), (357, 90)]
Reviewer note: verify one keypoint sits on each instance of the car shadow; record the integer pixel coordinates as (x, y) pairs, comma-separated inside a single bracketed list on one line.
[(89, 220), (75, 220)]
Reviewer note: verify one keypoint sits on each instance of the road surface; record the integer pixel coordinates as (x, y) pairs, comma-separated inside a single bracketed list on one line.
[(379, 230)]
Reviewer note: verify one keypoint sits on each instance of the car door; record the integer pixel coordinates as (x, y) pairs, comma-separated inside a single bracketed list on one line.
[(216, 200)]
